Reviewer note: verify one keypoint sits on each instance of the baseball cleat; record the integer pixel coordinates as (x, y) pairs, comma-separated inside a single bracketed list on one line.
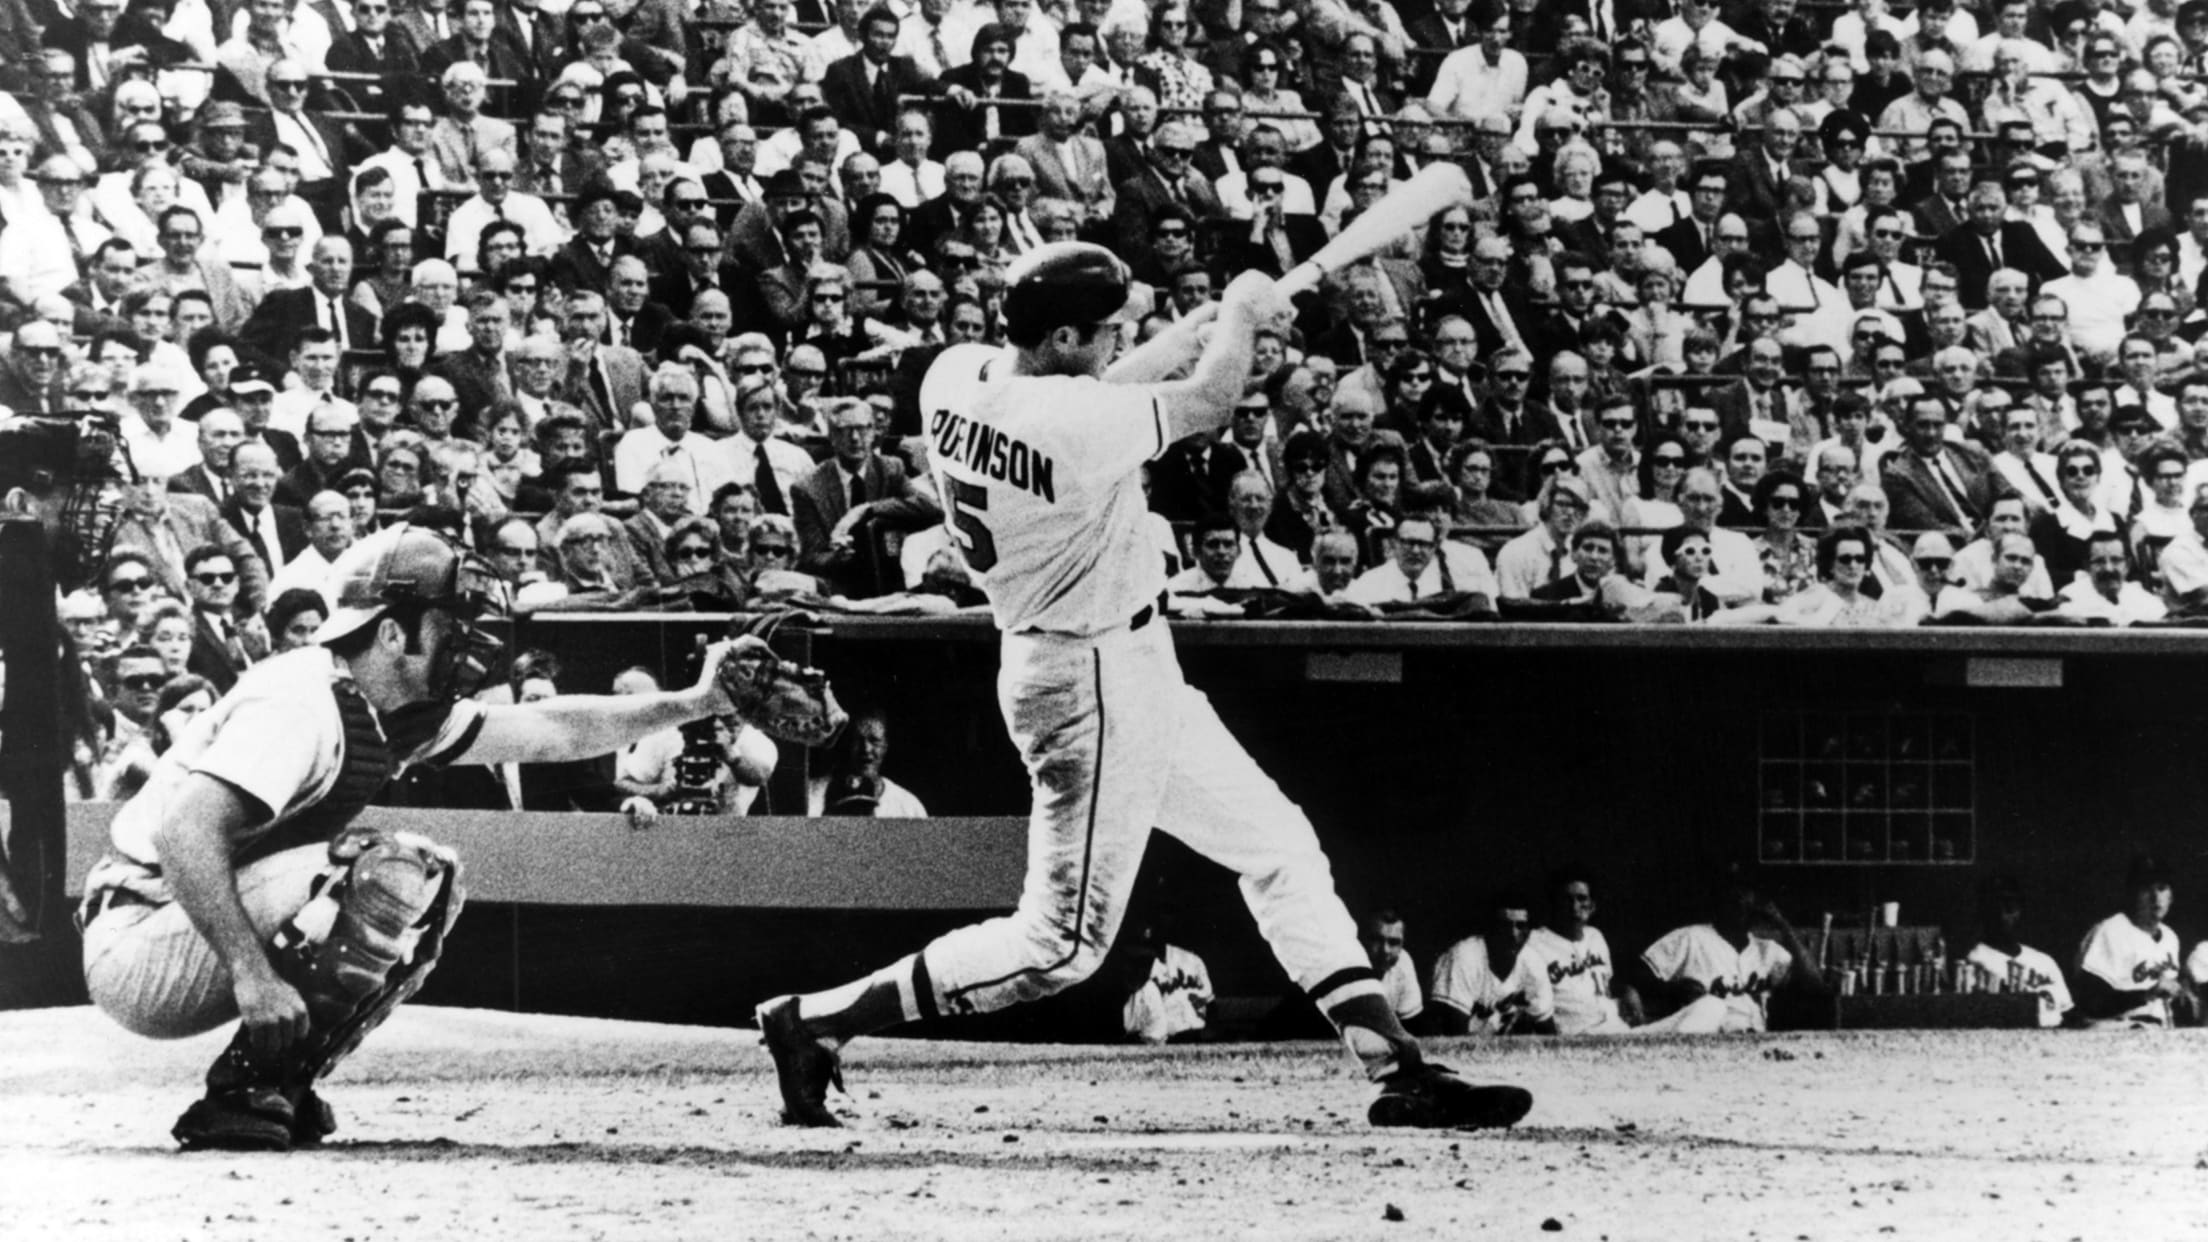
[(1432, 1097), (312, 1120), (247, 1119), (803, 1066)]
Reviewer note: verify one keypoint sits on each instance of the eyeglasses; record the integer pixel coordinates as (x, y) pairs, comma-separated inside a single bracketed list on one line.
[(826, 295), (1888, 234), (1668, 461), (284, 232), (1783, 501), (216, 579), (1934, 564), (1276, 187), (149, 148), (127, 585), (2087, 246), (440, 405), (1170, 234), (581, 540), (1559, 464), (287, 84), (1699, 424), (1174, 153), (2165, 476), (754, 368), (770, 549), (1514, 377), (2084, 471), (1617, 424), (143, 682), (1850, 558), (693, 554)]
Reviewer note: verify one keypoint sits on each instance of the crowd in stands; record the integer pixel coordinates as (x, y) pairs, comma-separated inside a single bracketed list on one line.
[(1762, 314)]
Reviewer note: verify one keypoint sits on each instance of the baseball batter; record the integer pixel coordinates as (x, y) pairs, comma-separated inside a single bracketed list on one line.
[(235, 886), (1037, 452)]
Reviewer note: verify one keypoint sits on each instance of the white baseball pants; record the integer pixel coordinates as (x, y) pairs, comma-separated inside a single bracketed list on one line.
[(1116, 743)]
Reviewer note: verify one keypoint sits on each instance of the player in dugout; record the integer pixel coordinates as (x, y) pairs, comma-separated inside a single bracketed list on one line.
[(1039, 451)]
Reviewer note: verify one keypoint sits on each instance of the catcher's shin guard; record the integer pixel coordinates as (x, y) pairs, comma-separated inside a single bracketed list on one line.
[(365, 941)]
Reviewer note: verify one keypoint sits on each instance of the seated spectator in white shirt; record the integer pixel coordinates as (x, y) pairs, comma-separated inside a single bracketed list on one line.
[(2002, 600), (329, 533), (496, 199), (674, 395), (2104, 590), (1417, 570), (161, 444), (1218, 546), (1334, 561), (1973, 566), (1263, 564), (854, 784)]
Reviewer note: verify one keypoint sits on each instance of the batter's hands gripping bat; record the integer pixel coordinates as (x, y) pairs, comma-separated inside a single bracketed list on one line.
[(1404, 210)]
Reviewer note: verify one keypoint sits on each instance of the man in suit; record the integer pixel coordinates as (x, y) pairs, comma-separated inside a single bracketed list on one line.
[(604, 381), (463, 133), (2002, 326), (1126, 152), (1190, 480), (1501, 316), (1343, 124), (219, 651), (60, 121), (282, 315), (1758, 397), (962, 121), (1166, 179), (2129, 212), (1760, 174), (1946, 208), (1507, 416), (375, 45), (1274, 241), (695, 268), (1068, 164), (1448, 27), (550, 165), (166, 527), (275, 532), (632, 318), (1933, 483), (220, 434), (327, 149), (863, 89), (856, 488), (1988, 242), (106, 42), (1693, 240), (539, 36), (585, 263), (480, 42)]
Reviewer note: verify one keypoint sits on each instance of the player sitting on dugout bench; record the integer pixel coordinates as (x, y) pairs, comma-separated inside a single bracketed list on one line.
[(2127, 968), (1719, 975), (1479, 986), (1572, 983), (2012, 965)]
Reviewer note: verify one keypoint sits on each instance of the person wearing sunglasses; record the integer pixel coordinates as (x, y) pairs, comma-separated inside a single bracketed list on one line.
[(2099, 297), (1846, 592), (1166, 179), (219, 650)]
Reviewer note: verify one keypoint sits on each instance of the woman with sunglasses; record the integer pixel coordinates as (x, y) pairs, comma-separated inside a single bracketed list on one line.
[(1789, 555), (702, 572), (1478, 510), (1180, 79), (1446, 258), (1839, 597), (1266, 90), (2164, 301), (1545, 460), (1300, 511)]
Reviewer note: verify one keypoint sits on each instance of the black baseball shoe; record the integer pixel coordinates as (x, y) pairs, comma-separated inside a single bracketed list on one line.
[(242, 1119), (1432, 1097), (803, 1066), (312, 1120)]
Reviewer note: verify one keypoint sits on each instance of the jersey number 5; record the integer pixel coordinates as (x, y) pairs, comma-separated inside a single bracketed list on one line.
[(968, 502)]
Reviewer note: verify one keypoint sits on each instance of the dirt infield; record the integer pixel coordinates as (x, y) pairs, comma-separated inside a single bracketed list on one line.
[(465, 1124)]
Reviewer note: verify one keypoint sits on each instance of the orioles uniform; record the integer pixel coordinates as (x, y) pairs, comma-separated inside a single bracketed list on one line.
[(1464, 980), (2129, 960), (2029, 971), (1568, 981), (1041, 483), (1737, 980)]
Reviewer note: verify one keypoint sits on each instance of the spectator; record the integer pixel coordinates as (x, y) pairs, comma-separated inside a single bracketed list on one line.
[(167, 628), (1478, 986), (275, 533), (1687, 552), (178, 701), (854, 784), (1841, 596), (2007, 963), (858, 486), (1789, 554), (2127, 971), (1381, 932), (1218, 547), (1540, 556), (293, 618), (1262, 563), (2002, 601), (219, 650), (772, 541), (329, 531), (2104, 590)]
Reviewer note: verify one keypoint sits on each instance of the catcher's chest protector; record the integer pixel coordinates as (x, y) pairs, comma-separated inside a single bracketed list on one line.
[(363, 771)]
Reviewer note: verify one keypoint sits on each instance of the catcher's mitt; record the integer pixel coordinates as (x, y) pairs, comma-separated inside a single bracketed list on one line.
[(788, 702)]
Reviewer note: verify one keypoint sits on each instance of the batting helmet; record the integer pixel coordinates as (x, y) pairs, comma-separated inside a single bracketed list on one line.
[(1065, 284)]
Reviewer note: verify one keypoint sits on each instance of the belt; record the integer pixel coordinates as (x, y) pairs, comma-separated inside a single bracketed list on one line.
[(114, 898)]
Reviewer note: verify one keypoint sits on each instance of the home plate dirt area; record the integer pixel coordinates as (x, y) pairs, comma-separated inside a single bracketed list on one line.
[(484, 1126)]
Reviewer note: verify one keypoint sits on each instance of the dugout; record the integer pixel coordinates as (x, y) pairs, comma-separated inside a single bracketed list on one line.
[(1438, 760)]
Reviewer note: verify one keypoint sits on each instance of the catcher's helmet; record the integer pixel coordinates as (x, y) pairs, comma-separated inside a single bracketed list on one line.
[(408, 565), (1066, 284)]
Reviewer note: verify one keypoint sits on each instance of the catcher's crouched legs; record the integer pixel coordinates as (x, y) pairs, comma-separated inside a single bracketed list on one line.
[(362, 944)]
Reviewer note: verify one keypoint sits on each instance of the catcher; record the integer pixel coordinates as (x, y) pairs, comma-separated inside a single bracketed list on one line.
[(234, 886)]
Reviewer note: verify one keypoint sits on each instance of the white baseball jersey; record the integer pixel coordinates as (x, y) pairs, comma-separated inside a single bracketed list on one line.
[(1742, 978), (1464, 979), (2029, 971), (1040, 478), (1173, 1000), (1401, 986), (1569, 981), (2129, 960)]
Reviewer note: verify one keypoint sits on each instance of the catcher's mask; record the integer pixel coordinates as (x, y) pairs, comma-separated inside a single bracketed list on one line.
[(75, 467), (412, 570)]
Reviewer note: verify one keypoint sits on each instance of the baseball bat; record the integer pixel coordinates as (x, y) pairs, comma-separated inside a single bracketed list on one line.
[(1407, 207)]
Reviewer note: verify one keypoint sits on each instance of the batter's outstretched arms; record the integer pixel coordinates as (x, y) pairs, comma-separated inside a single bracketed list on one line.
[(1202, 403)]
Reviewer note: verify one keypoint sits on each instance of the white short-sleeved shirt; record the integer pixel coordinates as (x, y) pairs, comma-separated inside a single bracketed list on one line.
[(278, 738), (1742, 978), (1569, 980), (1464, 979), (2035, 972), (1040, 479), (650, 759), (2129, 960)]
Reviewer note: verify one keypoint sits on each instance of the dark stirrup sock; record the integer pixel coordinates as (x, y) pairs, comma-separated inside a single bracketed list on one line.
[(1374, 1034)]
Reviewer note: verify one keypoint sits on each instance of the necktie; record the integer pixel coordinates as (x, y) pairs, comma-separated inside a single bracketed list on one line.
[(935, 45), (1953, 486), (764, 483), (602, 388), (1556, 561), (2039, 481), (76, 248), (337, 326), (1993, 250), (421, 174), (858, 490)]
